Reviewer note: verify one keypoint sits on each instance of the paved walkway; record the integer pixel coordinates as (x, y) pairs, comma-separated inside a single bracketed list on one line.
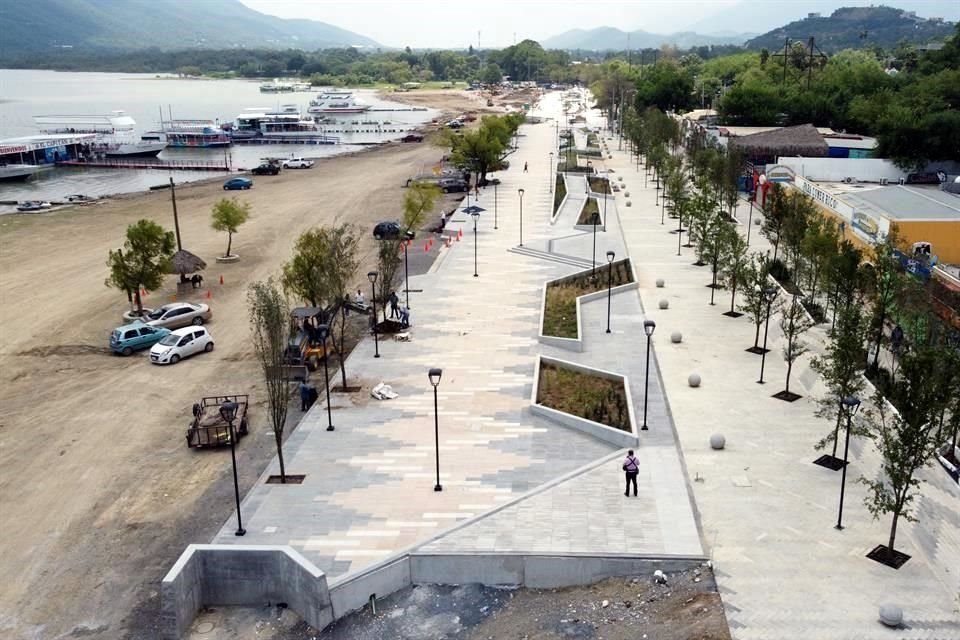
[(369, 486), (766, 511)]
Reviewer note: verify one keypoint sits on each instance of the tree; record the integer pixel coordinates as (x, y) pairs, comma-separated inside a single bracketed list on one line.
[(270, 328), (818, 246), (734, 265), (794, 322), (304, 276), (905, 438), (492, 74), (143, 261), (883, 281), (717, 234), (228, 215), (754, 304), (841, 367), (338, 272), (775, 213)]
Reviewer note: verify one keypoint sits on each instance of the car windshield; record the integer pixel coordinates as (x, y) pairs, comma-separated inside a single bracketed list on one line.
[(170, 339), (156, 314)]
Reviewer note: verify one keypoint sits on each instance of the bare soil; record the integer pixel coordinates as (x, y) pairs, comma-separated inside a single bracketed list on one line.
[(98, 490)]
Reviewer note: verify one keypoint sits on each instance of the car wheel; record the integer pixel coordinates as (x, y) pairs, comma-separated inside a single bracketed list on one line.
[(174, 359), (208, 347), (198, 321), (126, 351), (226, 188), (247, 187), (377, 236)]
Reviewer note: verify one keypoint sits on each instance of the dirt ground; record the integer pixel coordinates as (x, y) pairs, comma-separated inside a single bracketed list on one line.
[(687, 607), (98, 491)]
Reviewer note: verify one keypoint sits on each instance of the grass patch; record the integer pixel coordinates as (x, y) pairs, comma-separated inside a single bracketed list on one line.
[(815, 310), (560, 311), (592, 397), (592, 140), (599, 185), (559, 193), (590, 153), (590, 213)]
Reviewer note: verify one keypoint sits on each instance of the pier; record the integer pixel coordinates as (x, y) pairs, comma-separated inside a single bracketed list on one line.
[(309, 140), (148, 163)]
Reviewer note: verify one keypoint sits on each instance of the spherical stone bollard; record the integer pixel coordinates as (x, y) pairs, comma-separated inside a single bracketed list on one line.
[(693, 380), (660, 283), (891, 615), (717, 441), (756, 222), (629, 204), (676, 337), (620, 178), (609, 156), (626, 194), (664, 304)]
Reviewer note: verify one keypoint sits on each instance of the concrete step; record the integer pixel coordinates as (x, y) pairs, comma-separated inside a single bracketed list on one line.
[(552, 257)]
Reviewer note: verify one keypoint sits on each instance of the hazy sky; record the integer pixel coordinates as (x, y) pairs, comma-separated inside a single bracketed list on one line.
[(434, 23)]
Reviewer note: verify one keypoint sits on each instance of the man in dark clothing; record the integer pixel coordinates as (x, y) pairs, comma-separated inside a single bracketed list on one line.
[(524, 167), (304, 396), (394, 305), (631, 467)]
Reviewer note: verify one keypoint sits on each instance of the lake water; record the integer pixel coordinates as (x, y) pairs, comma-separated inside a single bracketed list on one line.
[(24, 94)]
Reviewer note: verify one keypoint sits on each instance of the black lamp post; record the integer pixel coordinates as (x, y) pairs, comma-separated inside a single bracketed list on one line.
[(476, 216), (769, 294), (605, 191), (324, 332), (434, 374), (851, 405), (406, 273), (552, 179), (753, 194), (610, 256), (648, 328), (372, 277), (593, 269), (494, 207), (520, 192), (228, 411)]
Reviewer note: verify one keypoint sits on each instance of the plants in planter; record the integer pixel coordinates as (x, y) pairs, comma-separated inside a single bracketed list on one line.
[(560, 305), (559, 193), (599, 185), (590, 212), (591, 397)]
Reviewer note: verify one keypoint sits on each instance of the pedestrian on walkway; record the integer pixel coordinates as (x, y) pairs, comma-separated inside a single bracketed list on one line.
[(304, 395), (394, 305), (631, 467), (524, 167), (405, 317), (359, 298)]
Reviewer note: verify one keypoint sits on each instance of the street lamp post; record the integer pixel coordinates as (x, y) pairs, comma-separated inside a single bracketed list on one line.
[(406, 273), (605, 191), (372, 277), (434, 374), (476, 216), (324, 331), (769, 294), (610, 256), (593, 269), (750, 217), (520, 192), (494, 207), (851, 405), (228, 411), (648, 328), (552, 180)]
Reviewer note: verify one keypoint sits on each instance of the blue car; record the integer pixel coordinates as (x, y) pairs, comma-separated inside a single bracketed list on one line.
[(237, 183), (133, 337)]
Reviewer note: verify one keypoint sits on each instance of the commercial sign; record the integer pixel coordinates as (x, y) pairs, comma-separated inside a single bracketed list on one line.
[(45, 143), (868, 226)]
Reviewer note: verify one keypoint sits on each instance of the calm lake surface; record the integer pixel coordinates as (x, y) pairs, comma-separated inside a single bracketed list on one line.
[(24, 94)]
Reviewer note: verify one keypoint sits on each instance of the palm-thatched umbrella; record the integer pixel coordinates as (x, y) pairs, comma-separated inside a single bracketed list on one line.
[(184, 263)]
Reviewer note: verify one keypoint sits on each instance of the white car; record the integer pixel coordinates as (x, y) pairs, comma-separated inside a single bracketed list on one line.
[(297, 163), (181, 344)]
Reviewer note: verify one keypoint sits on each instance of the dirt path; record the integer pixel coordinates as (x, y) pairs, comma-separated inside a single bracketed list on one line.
[(99, 492)]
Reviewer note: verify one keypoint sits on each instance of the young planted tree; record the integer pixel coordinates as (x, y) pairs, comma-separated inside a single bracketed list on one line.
[(819, 245), (305, 275), (841, 368), (270, 329), (775, 213), (794, 322), (905, 439), (732, 170), (143, 261), (340, 268), (800, 210), (717, 235), (884, 280), (754, 304), (228, 215), (844, 276), (734, 267)]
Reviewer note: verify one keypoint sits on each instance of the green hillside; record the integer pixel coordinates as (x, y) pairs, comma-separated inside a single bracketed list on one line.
[(39, 25), (854, 27)]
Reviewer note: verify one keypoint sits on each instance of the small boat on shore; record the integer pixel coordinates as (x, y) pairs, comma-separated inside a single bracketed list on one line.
[(32, 206)]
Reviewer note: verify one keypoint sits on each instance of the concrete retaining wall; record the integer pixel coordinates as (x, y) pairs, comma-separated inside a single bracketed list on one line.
[(381, 580), (536, 571), (612, 435), (251, 575), (566, 196)]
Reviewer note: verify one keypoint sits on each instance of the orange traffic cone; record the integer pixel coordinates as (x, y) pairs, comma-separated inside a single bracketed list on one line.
[(221, 279), (209, 294)]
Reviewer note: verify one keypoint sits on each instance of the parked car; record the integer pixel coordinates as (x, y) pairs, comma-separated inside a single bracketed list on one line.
[(179, 314), (237, 183), (455, 124), (453, 185), (391, 231), (266, 169), (181, 344), (133, 337), (297, 163), (412, 137)]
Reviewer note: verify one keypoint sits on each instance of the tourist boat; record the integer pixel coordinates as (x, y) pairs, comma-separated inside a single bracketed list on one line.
[(281, 125), (13, 172), (334, 102), (115, 133), (28, 206), (277, 87), (194, 134)]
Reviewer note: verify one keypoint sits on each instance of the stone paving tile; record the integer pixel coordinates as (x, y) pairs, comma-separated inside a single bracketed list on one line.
[(766, 511)]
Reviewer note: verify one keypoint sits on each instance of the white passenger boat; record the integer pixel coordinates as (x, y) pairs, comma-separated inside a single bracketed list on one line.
[(335, 102), (116, 133)]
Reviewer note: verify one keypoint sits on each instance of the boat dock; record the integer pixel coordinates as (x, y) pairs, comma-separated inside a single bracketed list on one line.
[(402, 109), (307, 140), (148, 163)]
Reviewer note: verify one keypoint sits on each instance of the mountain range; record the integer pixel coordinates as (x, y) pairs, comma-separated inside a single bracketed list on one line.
[(166, 24), (611, 38)]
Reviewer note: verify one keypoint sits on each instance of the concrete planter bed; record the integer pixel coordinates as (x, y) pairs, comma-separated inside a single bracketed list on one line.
[(589, 213), (599, 185), (559, 197), (593, 401)]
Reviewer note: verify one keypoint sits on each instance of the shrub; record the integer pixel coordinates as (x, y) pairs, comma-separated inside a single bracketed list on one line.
[(815, 310), (779, 270), (590, 213), (599, 185), (560, 307), (587, 396)]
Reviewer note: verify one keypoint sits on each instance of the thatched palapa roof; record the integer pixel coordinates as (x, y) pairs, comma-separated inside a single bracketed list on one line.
[(184, 263), (802, 140)]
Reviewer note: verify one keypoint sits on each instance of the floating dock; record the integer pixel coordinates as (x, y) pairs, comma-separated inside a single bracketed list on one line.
[(143, 163)]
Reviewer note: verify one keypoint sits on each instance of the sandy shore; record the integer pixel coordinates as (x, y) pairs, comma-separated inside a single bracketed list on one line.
[(97, 486)]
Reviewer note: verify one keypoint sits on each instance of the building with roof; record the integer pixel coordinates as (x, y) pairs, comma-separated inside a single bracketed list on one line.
[(44, 149), (765, 146), (866, 212)]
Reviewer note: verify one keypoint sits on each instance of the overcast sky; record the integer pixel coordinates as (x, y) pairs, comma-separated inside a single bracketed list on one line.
[(454, 23)]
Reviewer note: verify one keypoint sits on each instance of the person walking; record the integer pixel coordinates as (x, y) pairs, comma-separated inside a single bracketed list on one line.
[(405, 317), (394, 305), (304, 395), (631, 467), (359, 298), (524, 167)]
